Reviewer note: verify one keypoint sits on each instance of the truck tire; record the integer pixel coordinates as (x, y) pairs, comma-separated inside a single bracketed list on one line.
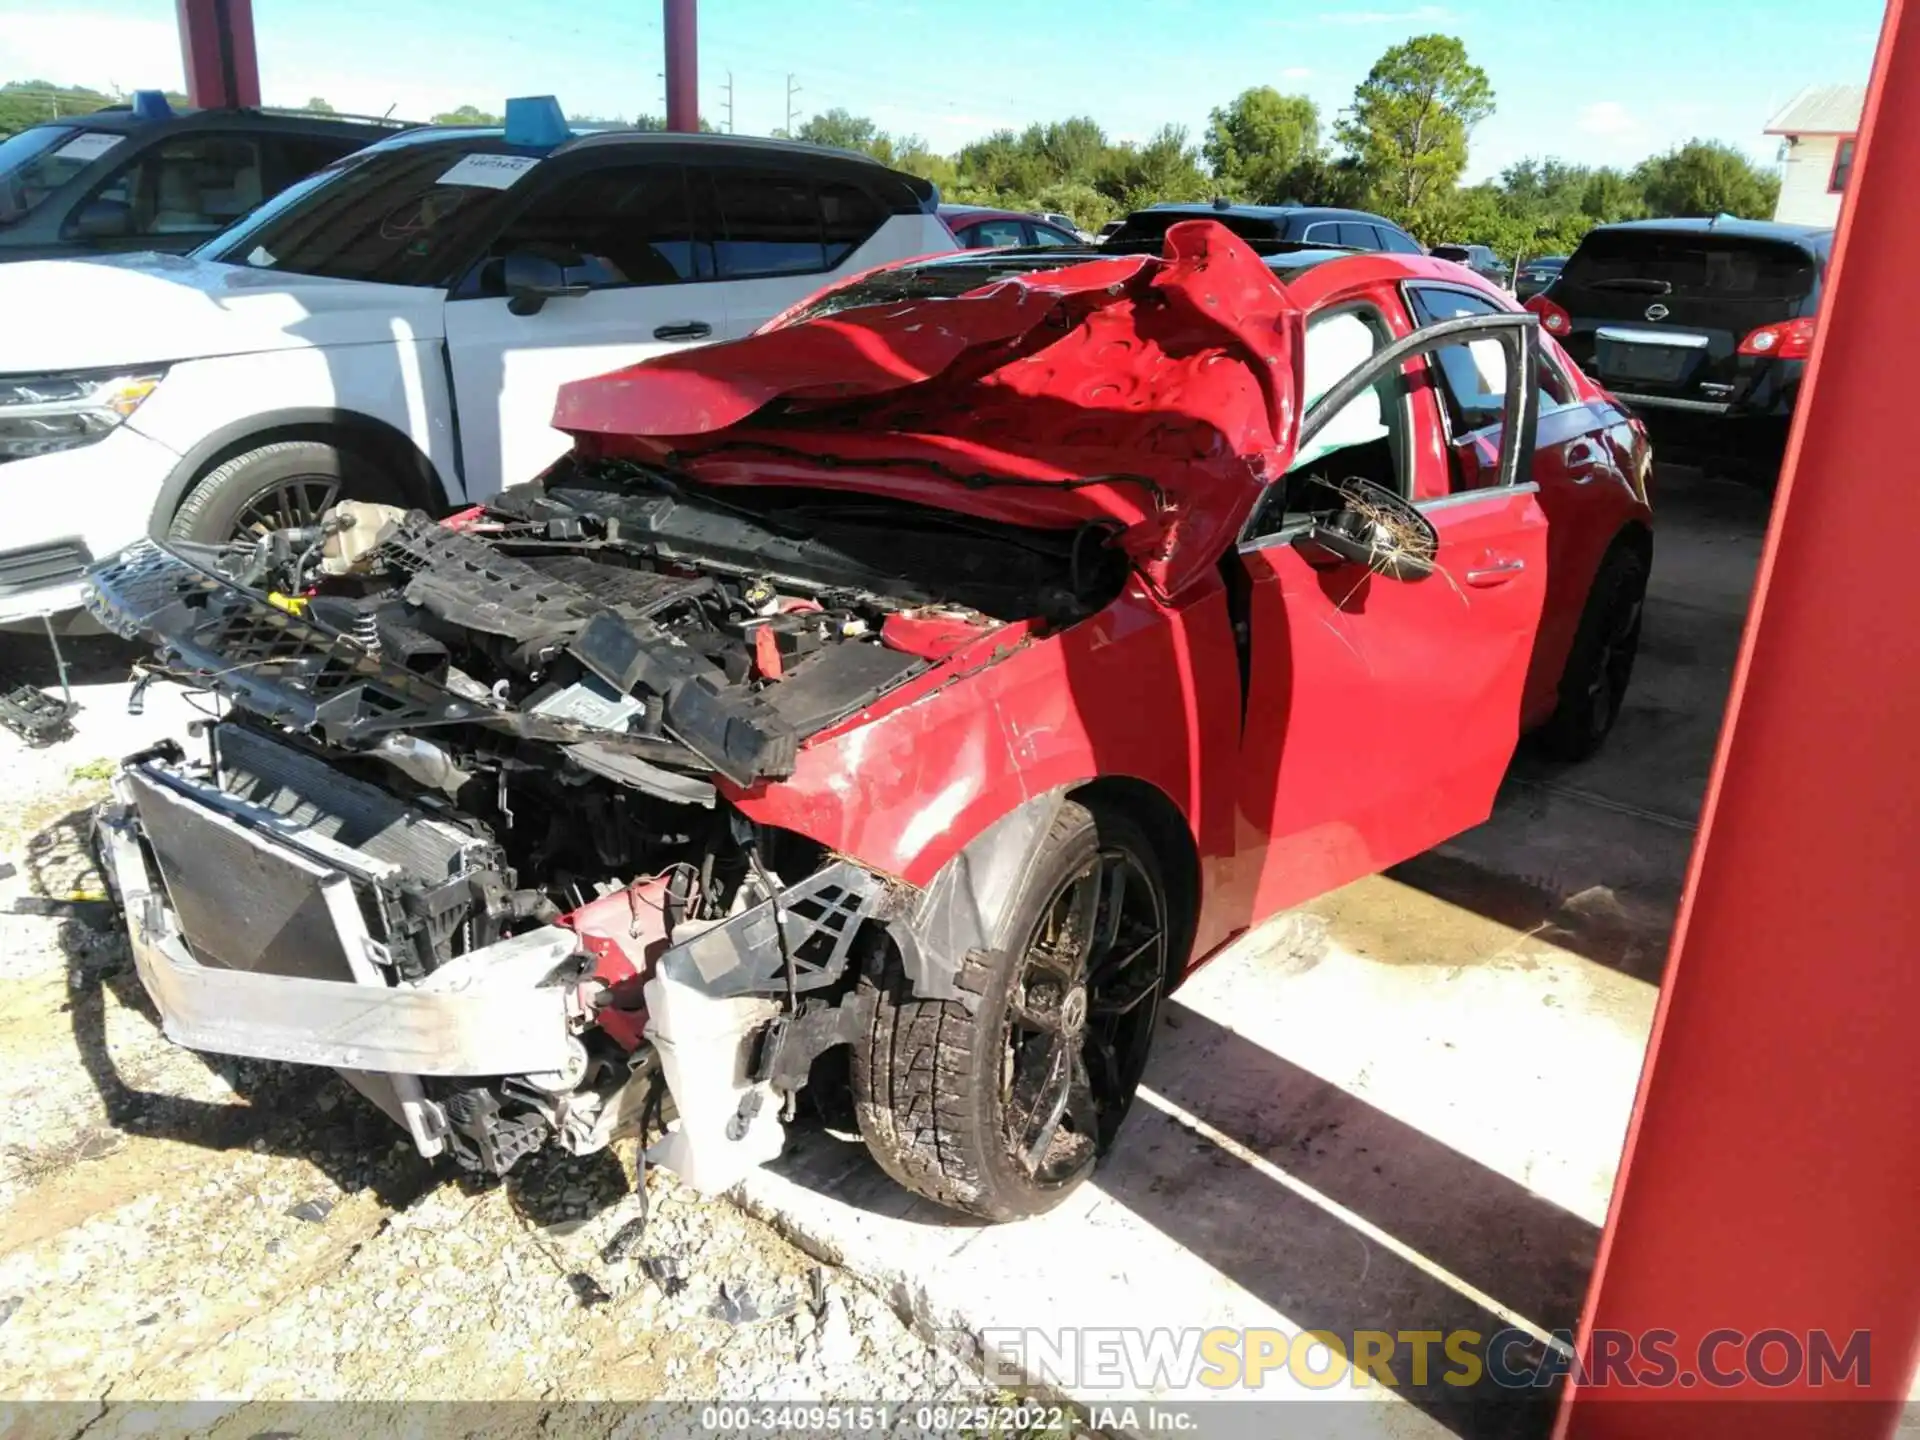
[(999, 1109), (280, 485), (1594, 685)]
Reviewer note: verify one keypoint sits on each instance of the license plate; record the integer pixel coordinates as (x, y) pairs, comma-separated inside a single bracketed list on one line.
[(1642, 362)]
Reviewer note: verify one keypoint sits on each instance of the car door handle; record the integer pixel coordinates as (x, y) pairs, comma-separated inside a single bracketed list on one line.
[(683, 330), (1497, 573)]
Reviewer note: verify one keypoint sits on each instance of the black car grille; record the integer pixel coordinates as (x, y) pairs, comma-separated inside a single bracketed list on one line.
[(38, 566)]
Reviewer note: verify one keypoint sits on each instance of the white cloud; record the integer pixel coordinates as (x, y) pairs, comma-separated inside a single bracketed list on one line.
[(1607, 119), (1297, 72)]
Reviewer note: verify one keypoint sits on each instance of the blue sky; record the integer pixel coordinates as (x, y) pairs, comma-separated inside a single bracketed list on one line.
[(1590, 83)]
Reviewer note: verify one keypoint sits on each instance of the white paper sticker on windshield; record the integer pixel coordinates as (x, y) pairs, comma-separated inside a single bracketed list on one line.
[(84, 149), (491, 172)]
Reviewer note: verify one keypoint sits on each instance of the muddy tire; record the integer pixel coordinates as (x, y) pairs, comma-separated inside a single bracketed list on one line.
[(286, 484), (1600, 663), (1000, 1109)]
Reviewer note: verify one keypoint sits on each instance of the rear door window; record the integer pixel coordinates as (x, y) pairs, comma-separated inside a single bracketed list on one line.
[(615, 226), (1398, 241), (1705, 266), (768, 224), (1359, 236), (848, 217)]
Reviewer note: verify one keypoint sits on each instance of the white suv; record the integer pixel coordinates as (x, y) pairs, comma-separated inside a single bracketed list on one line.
[(395, 327)]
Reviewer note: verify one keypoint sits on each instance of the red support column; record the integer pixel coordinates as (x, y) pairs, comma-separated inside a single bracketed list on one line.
[(683, 65), (216, 51), (1772, 1173)]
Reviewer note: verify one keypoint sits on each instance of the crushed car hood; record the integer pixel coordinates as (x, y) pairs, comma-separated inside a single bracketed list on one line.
[(1154, 394), (147, 308)]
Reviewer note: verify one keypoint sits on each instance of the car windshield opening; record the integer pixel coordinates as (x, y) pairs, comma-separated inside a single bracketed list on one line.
[(405, 216), (35, 163), (1721, 267)]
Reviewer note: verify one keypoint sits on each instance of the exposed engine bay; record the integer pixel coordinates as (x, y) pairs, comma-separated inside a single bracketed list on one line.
[(481, 768)]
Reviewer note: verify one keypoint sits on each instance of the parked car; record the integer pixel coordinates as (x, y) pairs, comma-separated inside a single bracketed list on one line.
[(1536, 274), (396, 327), (1068, 224), (1478, 258), (1289, 224), (900, 691), (1703, 325), (977, 227), (1107, 231), (144, 176)]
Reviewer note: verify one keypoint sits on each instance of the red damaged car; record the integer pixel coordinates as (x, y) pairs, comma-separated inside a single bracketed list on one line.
[(890, 706)]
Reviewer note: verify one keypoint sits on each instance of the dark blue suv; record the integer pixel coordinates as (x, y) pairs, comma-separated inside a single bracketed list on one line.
[(1275, 224), (147, 177)]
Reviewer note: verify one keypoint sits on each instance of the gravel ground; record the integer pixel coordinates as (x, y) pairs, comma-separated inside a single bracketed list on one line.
[(177, 1226)]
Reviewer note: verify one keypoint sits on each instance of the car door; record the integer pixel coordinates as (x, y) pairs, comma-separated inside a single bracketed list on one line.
[(1570, 454), (624, 236), (1381, 714)]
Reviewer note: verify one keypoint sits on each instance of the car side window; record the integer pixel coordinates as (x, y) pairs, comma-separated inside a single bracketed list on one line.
[(1046, 236), (1398, 241), (615, 226), (848, 218), (1359, 235), (1326, 232), (990, 234), (195, 185), (1474, 382), (1365, 439), (768, 224)]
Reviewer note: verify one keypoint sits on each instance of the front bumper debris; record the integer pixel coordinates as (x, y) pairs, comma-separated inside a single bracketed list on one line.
[(249, 924), (489, 1013)]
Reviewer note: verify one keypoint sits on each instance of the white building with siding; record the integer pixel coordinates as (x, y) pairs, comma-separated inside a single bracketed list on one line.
[(1817, 131)]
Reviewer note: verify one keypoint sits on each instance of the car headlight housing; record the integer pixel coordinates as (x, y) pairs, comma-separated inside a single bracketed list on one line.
[(43, 413)]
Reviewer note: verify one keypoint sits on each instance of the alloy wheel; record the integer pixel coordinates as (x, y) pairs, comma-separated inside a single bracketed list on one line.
[(1082, 1015)]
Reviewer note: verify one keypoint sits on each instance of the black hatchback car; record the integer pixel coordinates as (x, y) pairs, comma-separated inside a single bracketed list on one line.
[(1704, 326), (147, 177), (1289, 224)]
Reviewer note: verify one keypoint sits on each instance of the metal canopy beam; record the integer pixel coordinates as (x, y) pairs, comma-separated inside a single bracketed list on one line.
[(1773, 1162), (216, 51), (683, 65)]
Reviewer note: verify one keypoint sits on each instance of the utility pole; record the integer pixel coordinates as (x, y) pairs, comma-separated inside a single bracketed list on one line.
[(729, 102), (792, 90)]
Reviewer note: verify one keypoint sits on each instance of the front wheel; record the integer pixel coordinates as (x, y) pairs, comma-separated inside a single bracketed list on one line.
[(999, 1110), (279, 486)]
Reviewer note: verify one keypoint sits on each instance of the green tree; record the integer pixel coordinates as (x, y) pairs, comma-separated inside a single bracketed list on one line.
[(466, 115), (1165, 168), (34, 102), (321, 107), (1410, 121), (840, 129), (1611, 196), (1086, 206), (1257, 144), (1706, 177)]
